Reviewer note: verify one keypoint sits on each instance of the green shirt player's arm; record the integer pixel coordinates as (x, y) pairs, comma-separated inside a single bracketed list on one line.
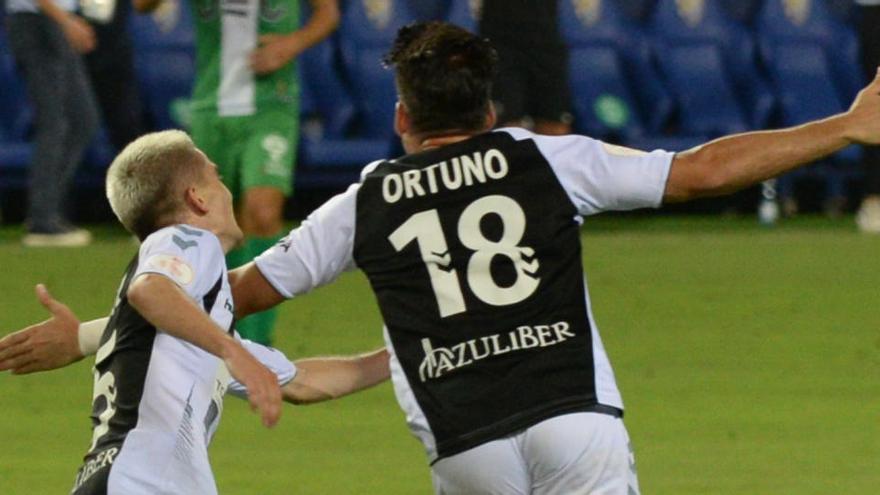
[(276, 50)]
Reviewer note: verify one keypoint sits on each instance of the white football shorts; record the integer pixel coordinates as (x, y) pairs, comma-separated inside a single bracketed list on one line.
[(579, 453)]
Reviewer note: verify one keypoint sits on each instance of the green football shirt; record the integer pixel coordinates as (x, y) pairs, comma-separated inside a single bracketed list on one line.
[(227, 31)]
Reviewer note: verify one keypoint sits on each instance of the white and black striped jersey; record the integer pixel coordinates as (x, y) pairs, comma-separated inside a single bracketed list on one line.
[(473, 252), (158, 399)]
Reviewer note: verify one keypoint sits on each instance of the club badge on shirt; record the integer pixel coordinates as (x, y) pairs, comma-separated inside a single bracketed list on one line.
[(173, 266)]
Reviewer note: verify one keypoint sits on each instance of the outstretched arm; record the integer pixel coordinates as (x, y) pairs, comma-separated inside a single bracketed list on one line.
[(734, 162), (325, 378), (165, 305), (52, 344)]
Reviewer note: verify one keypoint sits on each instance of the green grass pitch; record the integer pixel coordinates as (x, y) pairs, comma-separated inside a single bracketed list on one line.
[(749, 361)]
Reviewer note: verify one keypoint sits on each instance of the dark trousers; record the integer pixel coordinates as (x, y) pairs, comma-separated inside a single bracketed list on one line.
[(869, 38), (65, 117), (111, 70)]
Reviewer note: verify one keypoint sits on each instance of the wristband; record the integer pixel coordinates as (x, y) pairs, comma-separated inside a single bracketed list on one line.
[(89, 335)]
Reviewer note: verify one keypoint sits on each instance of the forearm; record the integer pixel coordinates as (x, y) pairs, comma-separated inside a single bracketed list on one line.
[(321, 379), (251, 291), (53, 11), (734, 162), (162, 303), (321, 23)]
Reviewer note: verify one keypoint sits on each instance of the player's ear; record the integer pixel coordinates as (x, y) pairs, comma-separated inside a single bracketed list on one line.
[(491, 117), (195, 201), (402, 123)]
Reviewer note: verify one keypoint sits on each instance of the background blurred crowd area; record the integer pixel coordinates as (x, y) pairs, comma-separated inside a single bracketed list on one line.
[(643, 73)]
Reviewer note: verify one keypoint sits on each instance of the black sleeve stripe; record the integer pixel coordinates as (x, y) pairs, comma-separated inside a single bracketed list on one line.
[(211, 297)]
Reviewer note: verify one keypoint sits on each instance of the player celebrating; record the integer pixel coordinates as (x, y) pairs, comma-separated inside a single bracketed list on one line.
[(165, 356), (245, 112), (471, 245)]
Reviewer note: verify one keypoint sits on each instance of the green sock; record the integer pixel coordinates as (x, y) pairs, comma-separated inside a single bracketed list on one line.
[(258, 327)]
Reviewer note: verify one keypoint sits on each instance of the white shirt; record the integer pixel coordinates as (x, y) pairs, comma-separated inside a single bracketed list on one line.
[(181, 396)]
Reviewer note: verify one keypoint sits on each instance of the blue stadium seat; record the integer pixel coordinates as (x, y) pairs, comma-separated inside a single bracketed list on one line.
[(164, 62), (636, 9), (428, 9), (676, 24), (465, 13), (802, 77), (366, 33), (603, 103), (166, 79), (701, 85), (810, 21), (173, 32), (801, 74), (326, 140), (324, 93), (599, 25), (742, 10)]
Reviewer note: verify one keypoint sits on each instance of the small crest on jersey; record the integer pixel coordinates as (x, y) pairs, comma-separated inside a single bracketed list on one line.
[(378, 12), (173, 266), (588, 11), (797, 11), (691, 11), (613, 149)]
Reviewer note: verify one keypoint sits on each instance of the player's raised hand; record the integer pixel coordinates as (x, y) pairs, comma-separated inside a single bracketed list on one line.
[(45, 346), (263, 390), (864, 114)]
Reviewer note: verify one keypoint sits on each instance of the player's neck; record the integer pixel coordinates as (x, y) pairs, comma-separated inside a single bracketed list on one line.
[(228, 241), (431, 141)]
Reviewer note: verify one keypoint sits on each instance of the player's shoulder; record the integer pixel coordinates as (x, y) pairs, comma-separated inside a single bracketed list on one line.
[(570, 147), (184, 253), (545, 141)]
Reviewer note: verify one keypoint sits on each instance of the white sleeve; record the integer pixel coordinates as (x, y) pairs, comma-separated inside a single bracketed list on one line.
[(317, 251), (602, 177), (271, 358), (192, 258)]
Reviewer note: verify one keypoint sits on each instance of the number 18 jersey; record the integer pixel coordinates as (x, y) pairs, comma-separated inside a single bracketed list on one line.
[(473, 252)]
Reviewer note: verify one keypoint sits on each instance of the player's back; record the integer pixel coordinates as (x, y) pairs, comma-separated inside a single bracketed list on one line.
[(157, 399), (473, 251)]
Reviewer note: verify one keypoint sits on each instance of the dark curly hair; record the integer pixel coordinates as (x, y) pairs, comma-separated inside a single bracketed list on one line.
[(444, 75)]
